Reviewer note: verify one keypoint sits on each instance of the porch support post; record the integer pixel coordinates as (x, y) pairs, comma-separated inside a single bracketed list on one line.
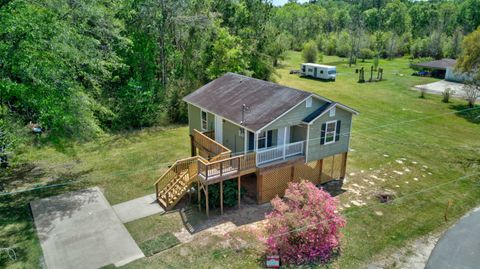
[(206, 200), (238, 184), (198, 197), (245, 140), (221, 197), (284, 141), (344, 166)]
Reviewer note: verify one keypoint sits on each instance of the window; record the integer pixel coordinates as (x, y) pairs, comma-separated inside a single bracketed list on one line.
[(203, 123), (241, 132), (310, 70), (265, 139), (321, 71), (262, 140), (331, 72), (330, 132), (309, 102), (332, 112)]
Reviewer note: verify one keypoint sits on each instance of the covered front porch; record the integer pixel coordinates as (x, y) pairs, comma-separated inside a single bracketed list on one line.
[(269, 145)]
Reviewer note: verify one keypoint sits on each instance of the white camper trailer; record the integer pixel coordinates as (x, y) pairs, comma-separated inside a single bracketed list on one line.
[(321, 71)]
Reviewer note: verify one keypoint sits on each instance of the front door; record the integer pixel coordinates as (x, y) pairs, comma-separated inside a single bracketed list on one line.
[(315, 72)]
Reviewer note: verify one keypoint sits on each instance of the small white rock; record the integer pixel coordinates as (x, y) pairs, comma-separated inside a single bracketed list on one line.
[(378, 213), (399, 161), (397, 172), (416, 179)]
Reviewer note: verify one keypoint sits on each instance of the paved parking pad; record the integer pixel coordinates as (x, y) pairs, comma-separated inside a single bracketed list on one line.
[(81, 230)]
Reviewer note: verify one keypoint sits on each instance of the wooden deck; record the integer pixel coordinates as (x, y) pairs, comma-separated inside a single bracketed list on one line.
[(211, 164)]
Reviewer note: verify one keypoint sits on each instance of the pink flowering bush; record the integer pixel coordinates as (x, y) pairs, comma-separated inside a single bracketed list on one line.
[(304, 226)]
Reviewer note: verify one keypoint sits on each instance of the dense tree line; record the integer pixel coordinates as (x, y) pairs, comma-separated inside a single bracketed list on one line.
[(79, 68), (382, 28)]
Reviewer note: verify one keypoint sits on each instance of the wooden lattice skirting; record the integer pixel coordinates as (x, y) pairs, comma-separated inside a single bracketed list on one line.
[(273, 182)]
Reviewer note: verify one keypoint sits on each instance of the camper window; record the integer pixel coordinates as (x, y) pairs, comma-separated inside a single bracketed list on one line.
[(321, 71), (331, 72)]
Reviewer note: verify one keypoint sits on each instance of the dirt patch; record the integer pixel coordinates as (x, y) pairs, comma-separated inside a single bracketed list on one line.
[(413, 256)]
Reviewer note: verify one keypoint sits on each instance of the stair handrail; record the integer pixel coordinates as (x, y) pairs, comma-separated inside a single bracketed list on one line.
[(173, 166)]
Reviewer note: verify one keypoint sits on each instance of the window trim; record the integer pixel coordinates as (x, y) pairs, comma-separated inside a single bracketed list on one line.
[(201, 120), (326, 132)]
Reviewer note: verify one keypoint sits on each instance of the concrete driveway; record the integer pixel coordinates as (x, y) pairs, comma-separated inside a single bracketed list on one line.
[(459, 248), (81, 230), (439, 87)]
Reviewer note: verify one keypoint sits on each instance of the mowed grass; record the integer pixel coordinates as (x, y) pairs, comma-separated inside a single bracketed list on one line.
[(393, 121)]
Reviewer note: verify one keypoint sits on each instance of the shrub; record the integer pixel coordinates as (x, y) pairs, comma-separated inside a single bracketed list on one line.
[(472, 92), (447, 93), (365, 53), (304, 226), (230, 194), (309, 52)]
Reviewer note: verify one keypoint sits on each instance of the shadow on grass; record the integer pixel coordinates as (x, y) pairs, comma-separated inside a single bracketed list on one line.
[(317, 79), (468, 113)]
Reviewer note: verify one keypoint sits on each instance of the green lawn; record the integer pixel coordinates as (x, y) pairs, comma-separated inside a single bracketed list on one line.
[(393, 122)]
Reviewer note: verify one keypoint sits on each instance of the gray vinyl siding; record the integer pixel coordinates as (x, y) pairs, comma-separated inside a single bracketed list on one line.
[(232, 138), (194, 119), (316, 151), (296, 115)]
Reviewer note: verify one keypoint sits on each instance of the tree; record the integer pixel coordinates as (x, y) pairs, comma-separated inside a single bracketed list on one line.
[(58, 59), (310, 52), (227, 55), (304, 227), (469, 60)]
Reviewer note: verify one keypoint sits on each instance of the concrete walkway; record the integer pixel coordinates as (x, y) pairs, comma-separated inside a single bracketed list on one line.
[(138, 208), (81, 230), (459, 248)]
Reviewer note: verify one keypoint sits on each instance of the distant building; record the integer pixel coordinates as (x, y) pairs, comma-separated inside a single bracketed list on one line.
[(444, 68)]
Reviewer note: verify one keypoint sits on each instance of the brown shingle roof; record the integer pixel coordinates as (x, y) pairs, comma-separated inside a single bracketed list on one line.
[(225, 96), (438, 64)]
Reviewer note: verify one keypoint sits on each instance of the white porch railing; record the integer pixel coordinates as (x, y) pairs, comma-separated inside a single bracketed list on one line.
[(279, 152)]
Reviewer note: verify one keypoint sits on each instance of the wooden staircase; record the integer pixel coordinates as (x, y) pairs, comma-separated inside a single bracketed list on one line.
[(176, 181)]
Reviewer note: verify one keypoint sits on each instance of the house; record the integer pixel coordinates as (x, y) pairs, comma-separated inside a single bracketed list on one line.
[(320, 71), (444, 69), (263, 135)]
